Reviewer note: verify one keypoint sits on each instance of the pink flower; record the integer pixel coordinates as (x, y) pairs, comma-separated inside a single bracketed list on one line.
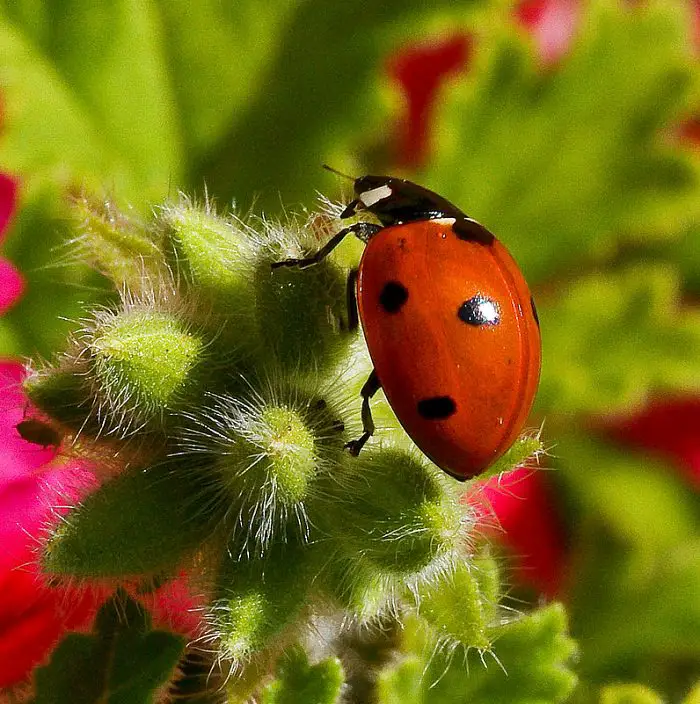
[(552, 24), (33, 481)]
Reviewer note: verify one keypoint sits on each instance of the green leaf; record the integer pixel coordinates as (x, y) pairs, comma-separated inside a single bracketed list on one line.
[(559, 162), (639, 502), (685, 254), (614, 338), (320, 92), (634, 602), (297, 681), (90, 89), (632, 611), (122, 662), (218, 55), (534, 653)]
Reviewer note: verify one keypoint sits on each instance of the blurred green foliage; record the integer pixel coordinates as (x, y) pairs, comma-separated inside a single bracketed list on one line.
[(577, 167), (451, 676)]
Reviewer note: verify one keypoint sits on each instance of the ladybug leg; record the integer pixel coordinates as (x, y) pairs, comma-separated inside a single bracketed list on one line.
[(363, 230), (353, 319), (371, 386)]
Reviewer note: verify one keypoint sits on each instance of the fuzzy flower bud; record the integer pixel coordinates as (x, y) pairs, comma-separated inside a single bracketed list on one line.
[(460, 606), (143, 522), (258, 599), (402, 518), (214, 258), (303, 313), (265, 451), (142, 364)]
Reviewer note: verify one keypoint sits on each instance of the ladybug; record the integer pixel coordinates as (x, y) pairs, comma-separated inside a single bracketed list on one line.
[(449, 322)]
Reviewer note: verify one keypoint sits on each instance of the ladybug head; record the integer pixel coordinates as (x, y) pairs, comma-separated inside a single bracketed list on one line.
[(394, 201)]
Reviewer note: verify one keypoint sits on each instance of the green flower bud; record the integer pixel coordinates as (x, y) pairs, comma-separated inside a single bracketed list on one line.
[(142, 365), (265, 452), (456, 607), (258, 599), (357, 586), (214, 258), (302, 313), (143, 522), (402, 516)]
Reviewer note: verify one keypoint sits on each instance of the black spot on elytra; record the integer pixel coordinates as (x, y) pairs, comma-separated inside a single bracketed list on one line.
[(534, 311), (437, 407), (393, 296), (472, 231), (479, 310)]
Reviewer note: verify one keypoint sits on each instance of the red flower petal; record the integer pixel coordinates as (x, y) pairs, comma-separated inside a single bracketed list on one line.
[(667, 428), (420, 71), (525, 510), (33, 618), (8, 201)]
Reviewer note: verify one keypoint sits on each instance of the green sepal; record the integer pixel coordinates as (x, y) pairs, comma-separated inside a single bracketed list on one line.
[(122, 661), (298, 681), (403, 516), (257, 599), (525, 451), (460, 606), (143, 522), (120, 247)]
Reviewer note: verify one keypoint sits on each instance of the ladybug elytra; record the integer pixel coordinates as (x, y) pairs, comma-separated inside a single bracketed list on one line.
[(449, 323)]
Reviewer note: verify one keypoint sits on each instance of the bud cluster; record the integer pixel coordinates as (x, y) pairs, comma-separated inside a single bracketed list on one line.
[(224, 393)]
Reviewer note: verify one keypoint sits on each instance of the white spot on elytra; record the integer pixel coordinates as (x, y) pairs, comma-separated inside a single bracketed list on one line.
[(369, 198), (488, 310)]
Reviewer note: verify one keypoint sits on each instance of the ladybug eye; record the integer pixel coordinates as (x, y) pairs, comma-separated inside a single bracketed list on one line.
[(479, 310)]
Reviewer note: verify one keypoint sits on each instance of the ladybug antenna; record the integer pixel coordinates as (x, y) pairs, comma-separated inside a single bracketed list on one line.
[(338, 173)]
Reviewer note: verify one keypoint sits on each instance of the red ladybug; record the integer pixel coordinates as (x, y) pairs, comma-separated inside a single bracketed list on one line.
[(449, 322)]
